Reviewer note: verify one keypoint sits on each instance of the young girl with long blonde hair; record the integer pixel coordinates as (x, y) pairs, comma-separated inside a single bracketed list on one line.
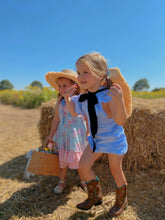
[(107, 109)]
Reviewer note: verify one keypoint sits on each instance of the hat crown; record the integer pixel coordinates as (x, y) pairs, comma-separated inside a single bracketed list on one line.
[(52, 77), (68, 71)]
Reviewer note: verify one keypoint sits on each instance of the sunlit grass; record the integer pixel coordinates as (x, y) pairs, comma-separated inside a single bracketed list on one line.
[(149, 95), (31, 97)]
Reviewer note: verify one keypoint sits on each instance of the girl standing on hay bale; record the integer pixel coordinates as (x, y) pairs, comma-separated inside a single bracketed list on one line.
[(67, 132), (107, 106)]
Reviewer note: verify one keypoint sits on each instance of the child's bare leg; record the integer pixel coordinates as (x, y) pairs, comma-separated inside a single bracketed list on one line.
[(60, 187), (62, 174), (80, 173), (115, 163), (86, 162), (93, 184), (82, 180)]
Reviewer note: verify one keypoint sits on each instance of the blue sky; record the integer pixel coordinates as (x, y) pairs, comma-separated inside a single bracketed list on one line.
[(38, 36)]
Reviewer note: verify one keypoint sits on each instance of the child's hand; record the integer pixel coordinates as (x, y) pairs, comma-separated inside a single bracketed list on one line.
[(50, 146), (70, 91), (116, 93), (47, 141)]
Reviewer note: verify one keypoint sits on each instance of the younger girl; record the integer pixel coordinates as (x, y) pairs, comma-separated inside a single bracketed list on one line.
[(67, 132), (106, 111)]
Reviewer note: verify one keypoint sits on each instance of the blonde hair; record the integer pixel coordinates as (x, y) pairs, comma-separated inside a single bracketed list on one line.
[(97, 64)]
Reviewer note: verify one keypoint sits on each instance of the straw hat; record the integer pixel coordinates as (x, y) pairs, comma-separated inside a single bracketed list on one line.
[(117, 77), (52, 77)]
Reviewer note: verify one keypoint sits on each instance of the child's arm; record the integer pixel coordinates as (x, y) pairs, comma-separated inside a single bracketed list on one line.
[(86, 120), (117, 105), (69, 103), (54, 126)]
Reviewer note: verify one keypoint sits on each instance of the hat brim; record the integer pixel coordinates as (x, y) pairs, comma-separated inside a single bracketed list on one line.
[(117, 77), (52, 78)]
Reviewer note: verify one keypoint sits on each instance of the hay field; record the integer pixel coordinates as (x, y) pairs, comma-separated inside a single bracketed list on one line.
[(34, 199)]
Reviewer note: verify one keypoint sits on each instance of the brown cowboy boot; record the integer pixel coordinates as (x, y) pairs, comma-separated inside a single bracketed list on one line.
[(121, 201), (94, 195)]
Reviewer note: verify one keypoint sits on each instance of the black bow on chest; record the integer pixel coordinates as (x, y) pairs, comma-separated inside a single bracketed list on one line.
[(92, 101)]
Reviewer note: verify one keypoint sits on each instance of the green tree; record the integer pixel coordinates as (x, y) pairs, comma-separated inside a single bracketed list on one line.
[(158, 89), (37, 84), (6, 84), (141, 84)]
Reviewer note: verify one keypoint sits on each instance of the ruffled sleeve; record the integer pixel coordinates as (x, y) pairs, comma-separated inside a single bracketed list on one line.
[(103, 96), (78, 105)]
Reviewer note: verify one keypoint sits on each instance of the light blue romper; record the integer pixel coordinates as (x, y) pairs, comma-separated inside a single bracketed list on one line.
[(110, 137)]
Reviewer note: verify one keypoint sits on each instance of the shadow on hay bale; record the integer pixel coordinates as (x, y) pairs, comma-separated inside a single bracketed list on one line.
[(145, 131)]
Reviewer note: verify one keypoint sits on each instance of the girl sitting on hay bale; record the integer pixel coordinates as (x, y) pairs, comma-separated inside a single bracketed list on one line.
[(107, 107), (67, 133)]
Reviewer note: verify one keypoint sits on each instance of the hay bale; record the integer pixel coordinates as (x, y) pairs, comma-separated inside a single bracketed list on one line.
[(44, 124), (145, 131)]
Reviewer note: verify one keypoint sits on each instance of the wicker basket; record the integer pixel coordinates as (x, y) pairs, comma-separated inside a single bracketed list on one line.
[(42, 163)]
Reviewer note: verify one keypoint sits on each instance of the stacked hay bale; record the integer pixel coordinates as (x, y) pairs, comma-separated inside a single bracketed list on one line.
[(145, 131), (47, 113)]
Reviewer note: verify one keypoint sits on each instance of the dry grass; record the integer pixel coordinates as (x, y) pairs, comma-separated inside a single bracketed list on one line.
[(34, 199)]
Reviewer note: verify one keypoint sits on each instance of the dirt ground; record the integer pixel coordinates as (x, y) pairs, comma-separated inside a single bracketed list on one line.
[(34, 198)]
